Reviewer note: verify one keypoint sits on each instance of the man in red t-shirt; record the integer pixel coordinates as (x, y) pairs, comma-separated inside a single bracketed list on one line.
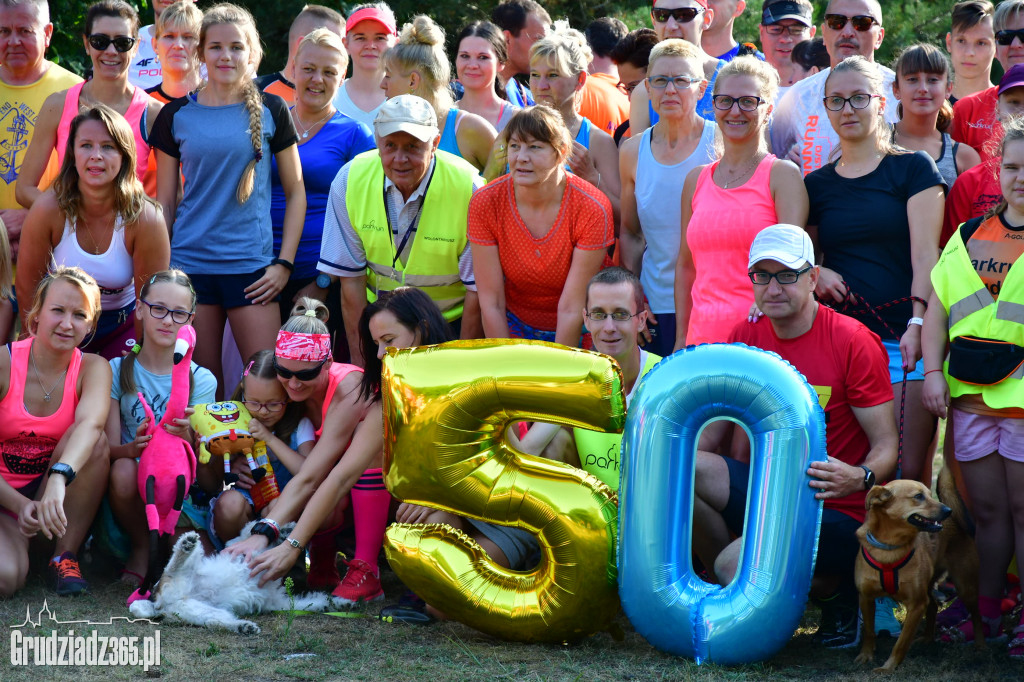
[(974, 116), (848, 368)]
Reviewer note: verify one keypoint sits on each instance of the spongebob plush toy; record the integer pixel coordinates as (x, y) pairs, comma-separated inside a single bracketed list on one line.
[(223, 430)]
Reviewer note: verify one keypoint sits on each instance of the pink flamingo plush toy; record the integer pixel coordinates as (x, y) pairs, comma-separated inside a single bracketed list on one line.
[(167, 466)]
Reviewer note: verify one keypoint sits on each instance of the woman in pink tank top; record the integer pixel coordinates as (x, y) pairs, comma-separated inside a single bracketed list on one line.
[(53, 408), (111, 39), (725, 204), (405, 317)]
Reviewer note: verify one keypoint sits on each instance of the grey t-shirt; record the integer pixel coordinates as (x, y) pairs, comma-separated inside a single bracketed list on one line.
[(212, 232)]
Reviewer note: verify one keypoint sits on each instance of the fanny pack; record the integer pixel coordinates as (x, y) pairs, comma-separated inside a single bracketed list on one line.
[(983, 362)]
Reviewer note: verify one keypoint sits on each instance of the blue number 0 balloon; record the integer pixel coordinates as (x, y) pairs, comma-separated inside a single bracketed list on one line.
[(756, 614)]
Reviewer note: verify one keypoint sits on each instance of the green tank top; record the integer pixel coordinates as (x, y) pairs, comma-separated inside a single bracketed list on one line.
[(599, 452)]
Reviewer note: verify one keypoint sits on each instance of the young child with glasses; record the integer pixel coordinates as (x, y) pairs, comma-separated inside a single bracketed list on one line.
[(277, 422), (166, 302)]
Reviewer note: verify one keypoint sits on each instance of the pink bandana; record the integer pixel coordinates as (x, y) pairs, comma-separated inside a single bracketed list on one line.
[(303, 347)]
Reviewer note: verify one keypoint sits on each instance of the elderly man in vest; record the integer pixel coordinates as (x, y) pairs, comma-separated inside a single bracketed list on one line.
[(396, 217)]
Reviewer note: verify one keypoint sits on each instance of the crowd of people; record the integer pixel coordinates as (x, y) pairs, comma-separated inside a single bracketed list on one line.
[(634, 192)]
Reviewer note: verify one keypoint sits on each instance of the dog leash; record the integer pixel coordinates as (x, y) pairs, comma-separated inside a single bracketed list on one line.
[(854, 303)]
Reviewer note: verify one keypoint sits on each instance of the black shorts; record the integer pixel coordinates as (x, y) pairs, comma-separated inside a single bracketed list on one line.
[(837, 540), (226, 291)]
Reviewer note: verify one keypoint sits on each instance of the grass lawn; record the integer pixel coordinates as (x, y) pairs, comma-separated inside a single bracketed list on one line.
[(331, 648)]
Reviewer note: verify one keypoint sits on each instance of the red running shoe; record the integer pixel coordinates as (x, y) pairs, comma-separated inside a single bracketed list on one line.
[(360, 584)]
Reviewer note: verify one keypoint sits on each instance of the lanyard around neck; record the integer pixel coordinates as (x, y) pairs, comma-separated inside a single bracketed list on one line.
[(415, 221)]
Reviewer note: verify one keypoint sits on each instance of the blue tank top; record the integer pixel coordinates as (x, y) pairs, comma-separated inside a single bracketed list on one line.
[(449, 140), (705, 108)]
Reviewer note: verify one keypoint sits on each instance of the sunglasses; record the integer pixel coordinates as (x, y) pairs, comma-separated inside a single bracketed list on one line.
[(302, 374), (1006, 37), (861, 22), (101, 41), (682, 15)]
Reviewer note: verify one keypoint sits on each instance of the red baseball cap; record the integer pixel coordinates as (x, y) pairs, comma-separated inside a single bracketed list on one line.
[(372, 14), (702, 3)]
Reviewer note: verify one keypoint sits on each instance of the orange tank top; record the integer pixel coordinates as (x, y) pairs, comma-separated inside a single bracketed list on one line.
[(337, 372), (28, 441)]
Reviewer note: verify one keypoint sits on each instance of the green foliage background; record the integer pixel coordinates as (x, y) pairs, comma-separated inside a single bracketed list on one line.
[(905, 21)]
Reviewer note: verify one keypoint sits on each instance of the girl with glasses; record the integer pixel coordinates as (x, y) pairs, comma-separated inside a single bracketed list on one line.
[(653, 167), (111, 35), (726, 203), (875, 214), (276, 421), (166, 302), (97, 216)]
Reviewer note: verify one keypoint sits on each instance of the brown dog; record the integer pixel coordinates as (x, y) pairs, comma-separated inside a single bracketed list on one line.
[(909, 540)]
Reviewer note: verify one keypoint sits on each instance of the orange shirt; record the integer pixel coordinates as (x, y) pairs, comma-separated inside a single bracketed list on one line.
[(276, 84), (603, 103), (535, 268)]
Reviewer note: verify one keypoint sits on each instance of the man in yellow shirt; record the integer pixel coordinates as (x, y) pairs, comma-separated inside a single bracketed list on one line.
[(26, 79)]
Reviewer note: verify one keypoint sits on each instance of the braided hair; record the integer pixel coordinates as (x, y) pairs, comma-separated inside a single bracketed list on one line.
[(226, 13)]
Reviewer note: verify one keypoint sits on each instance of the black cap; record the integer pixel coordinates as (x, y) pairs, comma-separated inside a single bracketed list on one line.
[(787, 9)]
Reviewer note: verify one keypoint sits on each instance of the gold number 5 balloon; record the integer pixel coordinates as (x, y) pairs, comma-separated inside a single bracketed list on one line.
[(446, 409)]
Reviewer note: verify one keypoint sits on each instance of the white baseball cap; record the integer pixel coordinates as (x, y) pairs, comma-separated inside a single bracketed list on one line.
[(409, 114), (786, 244)]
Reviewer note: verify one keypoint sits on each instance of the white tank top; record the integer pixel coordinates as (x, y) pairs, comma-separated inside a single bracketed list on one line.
[(344, 104), (113, 270), (659, 189)]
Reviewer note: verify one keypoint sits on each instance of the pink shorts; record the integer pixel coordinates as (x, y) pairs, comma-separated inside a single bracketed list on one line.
[(978, 435)]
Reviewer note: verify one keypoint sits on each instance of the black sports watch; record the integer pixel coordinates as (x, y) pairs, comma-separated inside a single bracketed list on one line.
[(869, 477), (64, 470)]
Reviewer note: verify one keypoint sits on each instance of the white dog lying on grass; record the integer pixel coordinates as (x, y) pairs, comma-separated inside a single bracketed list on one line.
[(214, 591)]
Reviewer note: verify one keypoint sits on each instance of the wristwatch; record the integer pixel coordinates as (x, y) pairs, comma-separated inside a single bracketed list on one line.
[(323, 280), (64, 470), (869, 478)]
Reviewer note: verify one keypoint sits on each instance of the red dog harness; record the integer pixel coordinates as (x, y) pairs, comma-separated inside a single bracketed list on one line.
[(888, 574)]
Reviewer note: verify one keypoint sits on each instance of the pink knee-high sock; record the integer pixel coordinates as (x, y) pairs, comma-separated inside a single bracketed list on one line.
[(990, 607), (371, 502)]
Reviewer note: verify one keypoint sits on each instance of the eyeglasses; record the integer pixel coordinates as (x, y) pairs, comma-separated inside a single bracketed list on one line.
[(682, 15), (795, 30), (275, 406), (159, 312), (836, 103), (302, 374), (784, 277), (680, 82), (1006, 37), (601, 316), (861, 22), (101, 41), (746, 103)]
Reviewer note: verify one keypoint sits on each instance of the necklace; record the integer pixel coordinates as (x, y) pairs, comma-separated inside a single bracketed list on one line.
[(756, 160), (39, 378), (305, 129)]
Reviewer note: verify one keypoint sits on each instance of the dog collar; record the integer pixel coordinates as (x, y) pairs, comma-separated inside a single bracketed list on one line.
[(888, 574), (878, 544)]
